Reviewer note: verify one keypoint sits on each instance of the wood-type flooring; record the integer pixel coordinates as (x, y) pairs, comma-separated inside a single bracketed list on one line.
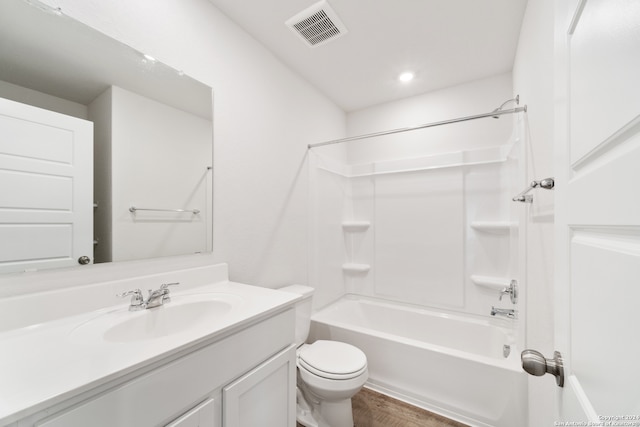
[(372, 409)]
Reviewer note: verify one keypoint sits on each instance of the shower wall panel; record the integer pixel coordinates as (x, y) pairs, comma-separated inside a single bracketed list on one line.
[(329, 193), (419, 237)]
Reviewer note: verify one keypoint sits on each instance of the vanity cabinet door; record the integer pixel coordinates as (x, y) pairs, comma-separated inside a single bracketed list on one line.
[(203, 415), (265, 396)]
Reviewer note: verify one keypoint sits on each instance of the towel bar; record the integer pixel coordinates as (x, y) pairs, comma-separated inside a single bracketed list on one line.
[(193, 211)]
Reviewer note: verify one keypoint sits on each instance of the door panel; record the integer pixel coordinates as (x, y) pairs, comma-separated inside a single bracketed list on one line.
[(597, 208), (36, 140), (605, 293), (37, 190), (603, 63), (603, 189), (46, 176), (53, 241)]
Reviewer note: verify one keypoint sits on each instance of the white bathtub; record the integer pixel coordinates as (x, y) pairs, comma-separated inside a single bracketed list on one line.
[(447, 363)]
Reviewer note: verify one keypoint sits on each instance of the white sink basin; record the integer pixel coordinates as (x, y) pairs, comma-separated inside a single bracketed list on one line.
[(183, 314), (166, 320)]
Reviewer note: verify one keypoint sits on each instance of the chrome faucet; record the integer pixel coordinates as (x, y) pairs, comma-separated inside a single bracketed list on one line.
[(159, 296), (156, 297), (511, 290), (510, 313)]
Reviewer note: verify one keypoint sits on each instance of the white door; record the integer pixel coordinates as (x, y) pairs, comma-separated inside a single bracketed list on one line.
[(46, 188), (598, 210)]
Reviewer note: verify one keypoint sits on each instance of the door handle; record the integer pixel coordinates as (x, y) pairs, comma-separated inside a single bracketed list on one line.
[(535, 364), (83, 260)]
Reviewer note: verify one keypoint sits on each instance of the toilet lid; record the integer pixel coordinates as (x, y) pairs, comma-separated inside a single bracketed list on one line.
[(333, 359)]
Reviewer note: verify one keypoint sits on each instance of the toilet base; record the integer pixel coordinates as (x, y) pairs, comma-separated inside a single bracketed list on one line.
[(337, 413), (304, 411)]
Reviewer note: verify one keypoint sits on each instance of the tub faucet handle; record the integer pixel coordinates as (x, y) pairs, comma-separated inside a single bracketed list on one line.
[(511, 290)]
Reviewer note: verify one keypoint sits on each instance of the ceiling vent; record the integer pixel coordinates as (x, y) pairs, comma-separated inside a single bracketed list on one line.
[(317, 24)]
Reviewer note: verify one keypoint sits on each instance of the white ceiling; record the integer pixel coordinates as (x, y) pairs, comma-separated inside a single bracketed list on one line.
[(445, 42)]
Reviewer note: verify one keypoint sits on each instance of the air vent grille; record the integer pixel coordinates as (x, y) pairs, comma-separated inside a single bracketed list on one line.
[(317, 24)]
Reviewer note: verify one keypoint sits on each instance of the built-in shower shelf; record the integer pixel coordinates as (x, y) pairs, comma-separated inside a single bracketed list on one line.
[(355, 225), (491, 282), (355, 268), (499, 227)]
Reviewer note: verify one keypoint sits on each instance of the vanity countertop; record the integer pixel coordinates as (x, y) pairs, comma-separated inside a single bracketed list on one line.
[(46, 363)]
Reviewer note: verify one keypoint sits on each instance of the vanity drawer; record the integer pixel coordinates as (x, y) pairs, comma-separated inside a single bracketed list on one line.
[(162, 395)]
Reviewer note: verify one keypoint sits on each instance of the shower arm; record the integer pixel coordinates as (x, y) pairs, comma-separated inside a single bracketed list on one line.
[(516, 100), (547, 184)]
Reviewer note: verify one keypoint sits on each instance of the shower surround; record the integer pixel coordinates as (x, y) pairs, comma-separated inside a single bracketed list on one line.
[(403, 242)]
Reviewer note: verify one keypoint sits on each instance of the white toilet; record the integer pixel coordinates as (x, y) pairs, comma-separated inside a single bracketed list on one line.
[(329, 372)]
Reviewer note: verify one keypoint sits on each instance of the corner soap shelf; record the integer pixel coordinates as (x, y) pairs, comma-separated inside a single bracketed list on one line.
[(491, 282), (355, 225), (498, 227), (354, 268)]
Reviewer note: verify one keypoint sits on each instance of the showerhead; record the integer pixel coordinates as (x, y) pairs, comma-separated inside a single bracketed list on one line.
[(547, 183)]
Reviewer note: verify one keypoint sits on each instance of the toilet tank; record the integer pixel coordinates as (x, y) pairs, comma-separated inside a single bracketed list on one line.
[(303, 311)]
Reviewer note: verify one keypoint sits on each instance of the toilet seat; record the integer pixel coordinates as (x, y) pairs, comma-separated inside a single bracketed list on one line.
[(332, 360)]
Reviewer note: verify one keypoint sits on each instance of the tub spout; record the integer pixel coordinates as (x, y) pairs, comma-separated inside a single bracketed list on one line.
[(510, 313)]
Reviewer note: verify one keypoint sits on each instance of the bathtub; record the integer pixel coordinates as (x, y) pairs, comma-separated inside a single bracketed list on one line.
[(449, 364)]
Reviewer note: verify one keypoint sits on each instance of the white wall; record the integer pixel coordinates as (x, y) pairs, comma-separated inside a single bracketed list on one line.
[(149, 155), (533, 79), (328, 208), (100, 114), (160, 157), (264, 116), (480, 96), (42, 100)]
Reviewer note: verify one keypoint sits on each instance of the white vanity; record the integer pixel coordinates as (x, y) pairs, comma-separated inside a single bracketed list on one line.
[(217, 354)]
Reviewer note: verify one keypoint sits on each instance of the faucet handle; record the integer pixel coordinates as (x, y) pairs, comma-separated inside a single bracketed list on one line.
[(137, 300), (511, 290), (166, 285), (137, 293)]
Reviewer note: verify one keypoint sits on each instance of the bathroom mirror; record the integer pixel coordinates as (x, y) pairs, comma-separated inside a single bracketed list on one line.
[(163, 171)]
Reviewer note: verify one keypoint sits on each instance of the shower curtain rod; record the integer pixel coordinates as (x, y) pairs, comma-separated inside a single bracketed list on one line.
[(495, 113)]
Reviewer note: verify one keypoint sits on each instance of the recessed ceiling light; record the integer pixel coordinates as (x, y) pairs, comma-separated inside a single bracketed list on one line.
[(405, 77), (149, 57)]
